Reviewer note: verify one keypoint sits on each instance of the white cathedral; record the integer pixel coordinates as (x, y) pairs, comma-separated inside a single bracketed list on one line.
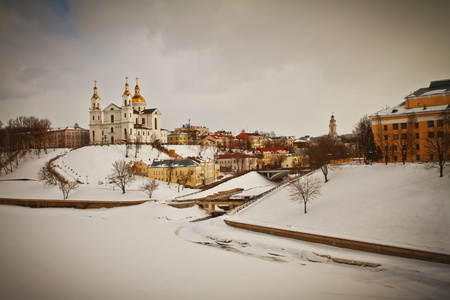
[(130, 123)]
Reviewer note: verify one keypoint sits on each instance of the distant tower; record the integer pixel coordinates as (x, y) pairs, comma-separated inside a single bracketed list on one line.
[(332, 133), (95, 114)]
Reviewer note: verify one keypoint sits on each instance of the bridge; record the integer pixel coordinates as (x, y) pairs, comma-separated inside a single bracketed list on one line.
[(279, 174)]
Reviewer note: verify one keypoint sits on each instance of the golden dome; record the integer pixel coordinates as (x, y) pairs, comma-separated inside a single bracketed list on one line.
[(95, 96), (127, 92), (138, 98)]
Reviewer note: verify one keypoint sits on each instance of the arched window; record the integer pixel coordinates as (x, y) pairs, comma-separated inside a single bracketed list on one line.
[(156, 123), (112, 129), (112, 118)]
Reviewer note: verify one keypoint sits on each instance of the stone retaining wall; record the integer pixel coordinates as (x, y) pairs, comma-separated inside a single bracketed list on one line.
[(346, 243), (81, 204)]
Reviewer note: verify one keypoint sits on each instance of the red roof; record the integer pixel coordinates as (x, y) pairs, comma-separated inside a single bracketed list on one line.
[(245, 135)]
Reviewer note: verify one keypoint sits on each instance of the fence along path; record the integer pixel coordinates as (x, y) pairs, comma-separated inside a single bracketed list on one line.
[(256, 198)]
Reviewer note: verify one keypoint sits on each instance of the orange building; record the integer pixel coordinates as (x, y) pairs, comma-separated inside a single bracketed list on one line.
[(403, 131)]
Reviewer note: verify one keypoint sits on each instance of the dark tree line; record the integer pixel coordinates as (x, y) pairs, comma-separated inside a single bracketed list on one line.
[(24, 133)]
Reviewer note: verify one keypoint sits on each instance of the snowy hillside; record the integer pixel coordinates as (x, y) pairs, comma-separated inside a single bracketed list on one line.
[(154, 251), (406, 205)]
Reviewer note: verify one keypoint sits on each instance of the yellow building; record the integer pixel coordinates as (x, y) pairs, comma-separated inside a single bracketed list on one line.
[(178, 138), (290, 161), (270, 157), (195, 172), (403, 131)]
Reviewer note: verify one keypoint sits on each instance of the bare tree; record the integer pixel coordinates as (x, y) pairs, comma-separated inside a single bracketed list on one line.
[(47, 177), (122, 174), (170, 172), (305, 190), (137, 145), (66, 187), (150, 186), (438, 142), (183, 179), (321, 154), (128, 146), (154, 140), (362, 132), (411, 134), (385, 141)]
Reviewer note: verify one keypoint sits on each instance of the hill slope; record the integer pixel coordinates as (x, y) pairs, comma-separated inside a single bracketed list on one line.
[(405, 205)]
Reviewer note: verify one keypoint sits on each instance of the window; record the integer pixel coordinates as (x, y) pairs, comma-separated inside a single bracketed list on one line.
[(404, 136), (417, 125), (418, 147), (395, 157), (440, 123), (430, 124), (417, 157), (431, 134), (385, 127), (124, 115), (417, 136), (112, 129), (112, 118), (404, 125), (440, 134), (394, 148), (93, 118), (143, 121), (386, 137), (395, 126), (125, 132), (395, 137), (431, 157)]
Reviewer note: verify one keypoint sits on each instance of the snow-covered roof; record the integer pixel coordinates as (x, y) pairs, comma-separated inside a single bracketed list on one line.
[(436, 87), (188, 162), (401, 109), (67, 128)]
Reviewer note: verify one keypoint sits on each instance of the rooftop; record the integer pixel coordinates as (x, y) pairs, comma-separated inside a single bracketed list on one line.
[(436, 87)]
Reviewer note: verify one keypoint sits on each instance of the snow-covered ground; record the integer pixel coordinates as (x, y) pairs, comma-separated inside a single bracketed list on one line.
[(405, 205), (154, 251), (252, 183)]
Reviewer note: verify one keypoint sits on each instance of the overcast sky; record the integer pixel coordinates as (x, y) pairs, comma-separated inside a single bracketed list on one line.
[(282, 66)]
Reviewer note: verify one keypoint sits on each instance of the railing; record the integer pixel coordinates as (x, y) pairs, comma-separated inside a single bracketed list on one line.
[(256, 198)]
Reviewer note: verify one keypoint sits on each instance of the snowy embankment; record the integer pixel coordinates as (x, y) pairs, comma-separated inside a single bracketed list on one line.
[(91, 166), (402, 205), (154, 251)]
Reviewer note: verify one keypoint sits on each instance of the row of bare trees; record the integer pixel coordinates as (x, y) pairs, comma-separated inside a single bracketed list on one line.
[(24, 133)]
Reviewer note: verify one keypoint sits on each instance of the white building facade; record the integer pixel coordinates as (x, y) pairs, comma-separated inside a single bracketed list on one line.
[(132, 122)]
